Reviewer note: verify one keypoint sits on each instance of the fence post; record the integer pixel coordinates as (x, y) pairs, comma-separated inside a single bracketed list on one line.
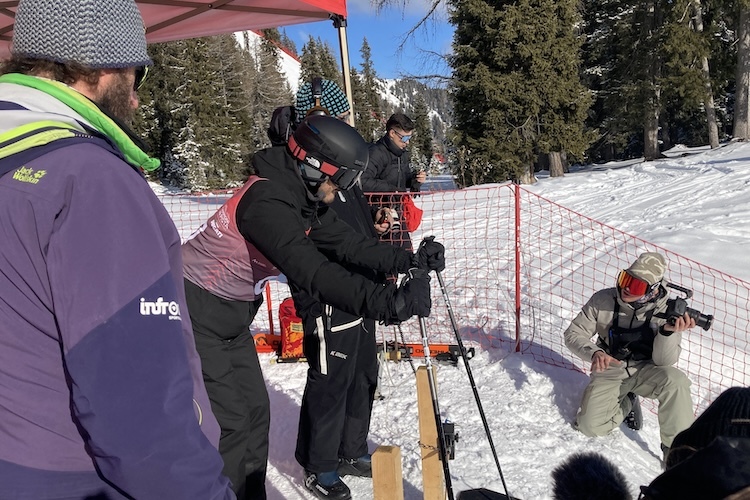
[(517, 198), (270, 308)]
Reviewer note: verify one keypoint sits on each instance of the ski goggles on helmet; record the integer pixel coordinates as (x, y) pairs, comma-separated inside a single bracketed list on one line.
[(344, 177), (634, 286)]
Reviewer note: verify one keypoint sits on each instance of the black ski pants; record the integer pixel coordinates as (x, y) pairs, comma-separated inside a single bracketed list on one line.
[(341, 381), (235, 385)]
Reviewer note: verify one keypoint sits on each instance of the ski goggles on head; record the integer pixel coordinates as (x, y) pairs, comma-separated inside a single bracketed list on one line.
[(634, 286)]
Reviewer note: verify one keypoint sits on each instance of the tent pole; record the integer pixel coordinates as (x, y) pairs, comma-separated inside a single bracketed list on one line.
[(339, 22)]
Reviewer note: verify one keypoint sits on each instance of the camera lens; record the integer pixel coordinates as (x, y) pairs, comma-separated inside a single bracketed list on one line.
[(704, 321)]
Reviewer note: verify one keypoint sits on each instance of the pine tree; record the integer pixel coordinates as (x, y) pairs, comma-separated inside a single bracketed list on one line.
[(742, 100), (606, 55), (272, 35), (266, 89), (515, 83), (659, 71), (317, 60), (688, 96), (329, 66), (359, 98), (167, 110), (369, 116), (288, 43), (198, 124), (422, 132)]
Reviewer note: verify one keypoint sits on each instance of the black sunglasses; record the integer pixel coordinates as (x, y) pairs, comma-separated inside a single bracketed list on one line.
[(141, 72)]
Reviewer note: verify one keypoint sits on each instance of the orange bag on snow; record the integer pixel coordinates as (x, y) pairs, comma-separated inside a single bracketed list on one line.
[(412, 213), (292, 333)]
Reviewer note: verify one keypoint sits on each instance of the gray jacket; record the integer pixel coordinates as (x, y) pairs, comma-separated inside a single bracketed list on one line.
[(593, 323)]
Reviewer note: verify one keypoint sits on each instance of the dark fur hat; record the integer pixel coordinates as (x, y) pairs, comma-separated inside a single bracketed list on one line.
[(589, 476)]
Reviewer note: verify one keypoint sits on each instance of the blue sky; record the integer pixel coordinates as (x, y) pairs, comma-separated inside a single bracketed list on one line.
[(384, 32)]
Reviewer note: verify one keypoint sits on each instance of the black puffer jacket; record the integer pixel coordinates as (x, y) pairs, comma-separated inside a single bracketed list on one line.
[(388, 169), (351, 207), (307, 241)]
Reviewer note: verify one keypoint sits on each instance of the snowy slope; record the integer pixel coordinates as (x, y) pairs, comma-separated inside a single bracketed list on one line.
[(697, 205)]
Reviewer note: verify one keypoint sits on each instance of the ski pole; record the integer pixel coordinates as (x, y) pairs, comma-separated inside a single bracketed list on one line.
[(442, 444), (454, 324), (403, 342)]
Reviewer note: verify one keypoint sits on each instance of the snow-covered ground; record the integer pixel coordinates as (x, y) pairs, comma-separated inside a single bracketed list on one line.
[(695, 203)]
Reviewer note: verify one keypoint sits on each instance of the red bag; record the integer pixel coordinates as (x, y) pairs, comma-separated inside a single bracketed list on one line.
[(412, 213), (292, 333)]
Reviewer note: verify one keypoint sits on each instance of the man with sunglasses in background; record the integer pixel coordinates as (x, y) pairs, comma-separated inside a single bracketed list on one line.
[(633, 354), (280, 222), (389, 172), (101, 391)]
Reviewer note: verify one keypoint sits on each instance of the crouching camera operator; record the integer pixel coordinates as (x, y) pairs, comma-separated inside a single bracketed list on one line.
[(636, 345)]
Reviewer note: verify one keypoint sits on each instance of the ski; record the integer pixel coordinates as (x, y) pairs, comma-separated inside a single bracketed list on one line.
[(443, 353)]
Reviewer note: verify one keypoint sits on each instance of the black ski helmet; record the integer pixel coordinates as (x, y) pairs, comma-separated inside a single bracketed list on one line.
[(329, 147)]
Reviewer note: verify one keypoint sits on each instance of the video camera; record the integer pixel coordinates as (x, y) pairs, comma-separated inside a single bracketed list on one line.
[(677, 307)]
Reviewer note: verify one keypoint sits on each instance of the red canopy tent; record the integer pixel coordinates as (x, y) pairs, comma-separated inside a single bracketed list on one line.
[(167, 20)]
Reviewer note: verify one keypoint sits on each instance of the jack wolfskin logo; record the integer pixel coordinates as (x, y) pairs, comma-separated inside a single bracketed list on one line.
[(160, 308), (27, 174)]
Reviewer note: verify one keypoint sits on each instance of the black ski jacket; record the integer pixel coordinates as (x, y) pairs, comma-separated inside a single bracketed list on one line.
[(388, 170), (308, 242), (351, 207)]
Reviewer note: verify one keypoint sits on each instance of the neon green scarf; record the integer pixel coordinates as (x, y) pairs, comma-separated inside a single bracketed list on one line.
[(93, 115)]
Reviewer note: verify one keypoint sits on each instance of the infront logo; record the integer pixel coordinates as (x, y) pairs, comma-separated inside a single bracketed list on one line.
[(160, 308)]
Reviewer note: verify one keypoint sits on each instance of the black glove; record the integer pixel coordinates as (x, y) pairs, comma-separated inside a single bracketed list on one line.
[(431, 255), (411, 299)]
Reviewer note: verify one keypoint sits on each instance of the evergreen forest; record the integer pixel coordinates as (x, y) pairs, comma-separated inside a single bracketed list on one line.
[(534, 84)]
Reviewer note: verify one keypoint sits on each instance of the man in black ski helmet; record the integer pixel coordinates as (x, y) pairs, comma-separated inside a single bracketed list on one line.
[(278, 223)]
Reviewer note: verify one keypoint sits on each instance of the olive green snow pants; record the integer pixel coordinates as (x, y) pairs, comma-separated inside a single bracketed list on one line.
[(605, 403)]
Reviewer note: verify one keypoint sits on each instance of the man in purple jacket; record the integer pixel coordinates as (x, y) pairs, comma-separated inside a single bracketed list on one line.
[(101, 394)]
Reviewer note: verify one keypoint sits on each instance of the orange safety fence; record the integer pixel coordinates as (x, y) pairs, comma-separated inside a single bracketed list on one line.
[(519, 268)]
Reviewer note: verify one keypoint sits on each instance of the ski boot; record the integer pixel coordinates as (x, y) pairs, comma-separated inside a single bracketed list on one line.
[(634, 419), (327, 485), (361, 466), (665, 453)]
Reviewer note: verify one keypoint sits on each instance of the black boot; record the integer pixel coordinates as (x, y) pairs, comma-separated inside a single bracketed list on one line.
[(327, 485), (361, 466), (665, 453), (634, 419)]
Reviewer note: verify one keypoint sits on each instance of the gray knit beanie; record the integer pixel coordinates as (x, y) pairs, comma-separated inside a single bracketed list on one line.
[(649, 266), (332, 98), (94, 33)]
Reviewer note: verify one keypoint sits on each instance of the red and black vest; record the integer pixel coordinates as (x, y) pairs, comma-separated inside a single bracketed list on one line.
[(220, 260)]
